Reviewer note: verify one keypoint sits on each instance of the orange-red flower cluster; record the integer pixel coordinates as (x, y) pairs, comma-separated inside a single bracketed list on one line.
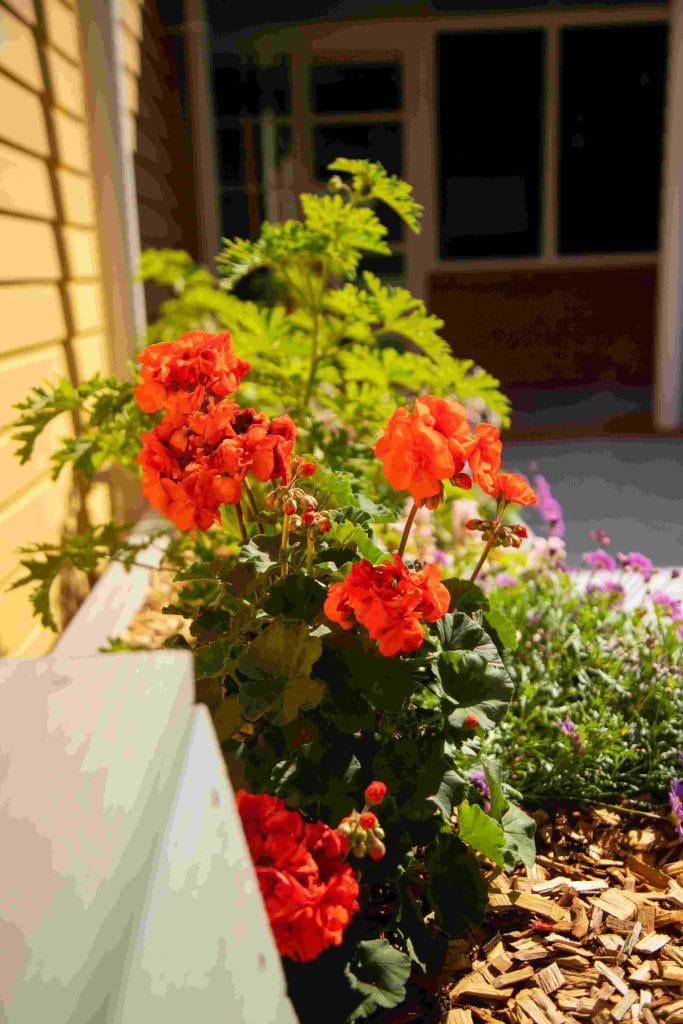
[(309, 890), (196, 458), (198, 363), (422, 449), (390, 601), (191, 464)]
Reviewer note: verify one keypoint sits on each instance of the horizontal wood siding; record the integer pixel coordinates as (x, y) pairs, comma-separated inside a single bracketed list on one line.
[(51, 298)]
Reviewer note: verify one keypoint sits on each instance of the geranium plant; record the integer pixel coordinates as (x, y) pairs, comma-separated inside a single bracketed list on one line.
[(345, 679)]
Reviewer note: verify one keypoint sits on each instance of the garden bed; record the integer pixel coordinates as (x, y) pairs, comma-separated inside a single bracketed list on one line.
[(592, 932)]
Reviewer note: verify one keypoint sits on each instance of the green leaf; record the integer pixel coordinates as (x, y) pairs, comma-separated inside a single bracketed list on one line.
[(347, 534), (456, 888), (297, 596), (426, 947), (519, 830), (369, 179), (213, 659), (227, 718), (473, 678), (277, 664), (333, 490), (465, 596), (385, 682), (502, 627), (480, 831), (380, 974)]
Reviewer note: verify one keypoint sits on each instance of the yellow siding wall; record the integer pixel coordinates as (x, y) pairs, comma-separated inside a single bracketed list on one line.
[(51, 291)]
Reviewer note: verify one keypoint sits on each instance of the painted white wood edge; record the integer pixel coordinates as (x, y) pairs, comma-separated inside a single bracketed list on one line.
[(116, 597), (204, 949), (90, 756)]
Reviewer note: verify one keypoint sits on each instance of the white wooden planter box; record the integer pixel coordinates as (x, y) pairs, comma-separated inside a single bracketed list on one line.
[(127, 895)]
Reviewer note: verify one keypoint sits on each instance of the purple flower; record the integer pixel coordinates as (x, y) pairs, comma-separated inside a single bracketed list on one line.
[(600, 537), (635, 562), (674, 607), (440, 557), (599, 560), (503, 579), (606, 587), (548, 507), (570, 730), (478, 778), (676, 801)]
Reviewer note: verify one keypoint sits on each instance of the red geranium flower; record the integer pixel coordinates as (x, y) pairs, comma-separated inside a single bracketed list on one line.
[(310, 892), (193, 463), (198, 362), (514, 488), (484, 456), (389, 601)]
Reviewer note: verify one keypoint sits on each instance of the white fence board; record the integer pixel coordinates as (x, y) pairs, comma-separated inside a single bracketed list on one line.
[(204, 950), (126, 891)]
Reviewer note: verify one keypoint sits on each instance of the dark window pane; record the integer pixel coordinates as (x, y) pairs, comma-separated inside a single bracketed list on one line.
[(227, 91), (276, 88), (383, 266), (231, 156), (235, 214), (383, 142), (490, 136), (342, 88), (241, 213), (611, 130)]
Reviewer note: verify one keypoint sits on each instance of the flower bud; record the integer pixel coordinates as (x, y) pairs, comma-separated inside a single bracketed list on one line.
[(377, 850), (307, 518), (324, 525), (360, 849), (368, 820), (375, 793), (474, 524), (310, 502), (289, 507), (471, 722), (307, 468), (335, 184), (462, 480)]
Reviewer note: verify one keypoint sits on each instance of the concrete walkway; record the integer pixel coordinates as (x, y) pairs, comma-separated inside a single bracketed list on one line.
[(631, 488)]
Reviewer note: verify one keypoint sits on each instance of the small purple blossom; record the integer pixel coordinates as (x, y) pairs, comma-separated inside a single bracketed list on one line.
[(440, 557), (504, 579), (570, 730), (676, 801), (635, 562), (549, 507), (600, 537), (599, 560), (478, 779), (606, 587), (674, 607)]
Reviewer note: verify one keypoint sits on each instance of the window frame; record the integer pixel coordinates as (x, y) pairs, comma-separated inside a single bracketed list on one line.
[(413, 46)]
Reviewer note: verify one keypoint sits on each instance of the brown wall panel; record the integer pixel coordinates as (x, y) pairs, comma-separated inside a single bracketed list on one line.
[(552, 326)]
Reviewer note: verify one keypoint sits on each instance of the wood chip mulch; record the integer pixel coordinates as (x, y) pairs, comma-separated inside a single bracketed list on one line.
[(592, 933)]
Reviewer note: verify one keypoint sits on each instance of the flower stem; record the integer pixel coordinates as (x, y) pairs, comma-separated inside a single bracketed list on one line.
[(251, 499), (407, 528), (284, 545), (489, 544), (240, 521)]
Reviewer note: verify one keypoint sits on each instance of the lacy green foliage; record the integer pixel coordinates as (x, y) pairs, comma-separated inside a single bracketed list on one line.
[(87, 551), (615, 674), (326, 344), (110, 431)]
